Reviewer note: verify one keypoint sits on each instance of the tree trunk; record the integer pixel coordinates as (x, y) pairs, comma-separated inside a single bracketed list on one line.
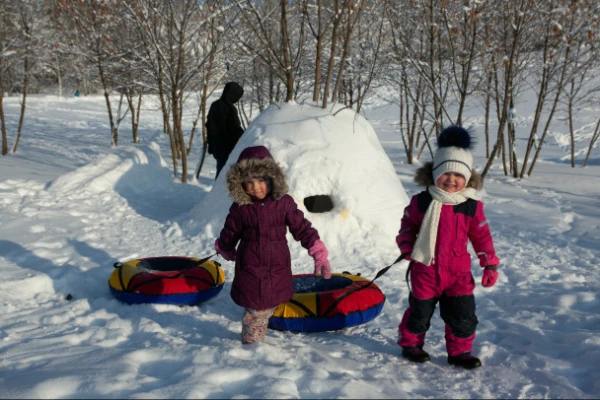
[(3, 122), (271, 86), (319, 38), (165, 112), (202, 157), (258, 85), (539, 106), (287, 58), (571, 133), (466, 70), (193, 130), (203, 104), (559, 88), (513, 150), (331, 56), (135, 113), (426, 142), (592, 141), (432, 74), (345, 50), (508, 79), (23, 104), (503, 148), (409, 140), (137, 119), (178, 132), (488, 97), (58, 77), (114, 134), (401, 123)]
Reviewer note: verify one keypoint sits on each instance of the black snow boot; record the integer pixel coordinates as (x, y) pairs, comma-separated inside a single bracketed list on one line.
[(415, 354), (465, 360)]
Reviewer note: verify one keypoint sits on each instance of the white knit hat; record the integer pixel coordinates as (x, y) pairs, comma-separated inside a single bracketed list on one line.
[(453, 153)]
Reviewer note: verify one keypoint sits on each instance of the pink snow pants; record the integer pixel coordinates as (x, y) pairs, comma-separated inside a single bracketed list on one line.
[(454, 292)]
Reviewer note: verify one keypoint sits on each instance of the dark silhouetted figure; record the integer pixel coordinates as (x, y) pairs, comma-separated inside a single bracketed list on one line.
[(223, 125)]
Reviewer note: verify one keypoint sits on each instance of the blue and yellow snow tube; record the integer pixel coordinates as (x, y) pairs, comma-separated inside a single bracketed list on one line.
[(320, 305), (166, 280)]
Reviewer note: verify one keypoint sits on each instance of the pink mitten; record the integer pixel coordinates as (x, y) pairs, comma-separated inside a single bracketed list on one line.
[(228, 255), (319, 253), (490, 276), (323, 269)]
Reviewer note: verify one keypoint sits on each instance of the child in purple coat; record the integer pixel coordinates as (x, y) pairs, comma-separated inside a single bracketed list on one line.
[(434, 233), (258, 219)]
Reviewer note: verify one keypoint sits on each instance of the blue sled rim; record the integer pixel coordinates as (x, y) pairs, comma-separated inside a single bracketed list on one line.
[(317, 324), (180, 299)]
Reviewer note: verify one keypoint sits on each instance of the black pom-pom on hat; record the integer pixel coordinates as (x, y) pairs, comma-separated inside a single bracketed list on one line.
[(455, 136)]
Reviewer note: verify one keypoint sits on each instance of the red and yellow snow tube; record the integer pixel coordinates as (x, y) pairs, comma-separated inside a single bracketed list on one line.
[(166, 280), (328, 304)]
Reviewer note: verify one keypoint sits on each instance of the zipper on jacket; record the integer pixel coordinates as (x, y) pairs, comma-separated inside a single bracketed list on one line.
[(261, 254)]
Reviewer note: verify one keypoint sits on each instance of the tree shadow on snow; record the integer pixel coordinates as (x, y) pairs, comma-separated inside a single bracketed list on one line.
[(26, 259), (154, 193), (208, 324)]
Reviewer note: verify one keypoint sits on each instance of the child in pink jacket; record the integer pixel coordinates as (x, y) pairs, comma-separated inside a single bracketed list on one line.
[(434, 233)]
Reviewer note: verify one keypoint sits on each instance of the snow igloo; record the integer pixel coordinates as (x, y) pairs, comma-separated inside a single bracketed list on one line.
[(338, 174)]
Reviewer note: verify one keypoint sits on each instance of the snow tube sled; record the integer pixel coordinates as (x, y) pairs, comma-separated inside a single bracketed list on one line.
[(328, 304), (166, 280)]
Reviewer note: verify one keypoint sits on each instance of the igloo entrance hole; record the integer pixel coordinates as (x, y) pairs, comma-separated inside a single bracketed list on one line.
[(320, 203)]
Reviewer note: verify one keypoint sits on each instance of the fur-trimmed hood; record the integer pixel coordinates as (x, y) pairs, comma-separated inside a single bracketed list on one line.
[(255, 162), (424, 177)]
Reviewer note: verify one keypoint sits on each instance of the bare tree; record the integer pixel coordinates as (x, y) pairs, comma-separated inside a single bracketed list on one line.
[(9, 36), (461, 23), (353, 13), (567, 64), (548, 65), (365, 63), (150, 25), (315, 10), (94, 27), (172, 33), (512, 24), (416, 42), (583, 59), (279, 53), (332, 52), (208, 72), (29, 19), (593, 140)]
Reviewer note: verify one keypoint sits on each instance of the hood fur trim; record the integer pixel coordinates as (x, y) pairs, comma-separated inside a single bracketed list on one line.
[(424, 177), (249, 168)]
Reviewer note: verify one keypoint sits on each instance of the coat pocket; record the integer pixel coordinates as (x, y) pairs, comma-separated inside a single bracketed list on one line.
[(461, 260)]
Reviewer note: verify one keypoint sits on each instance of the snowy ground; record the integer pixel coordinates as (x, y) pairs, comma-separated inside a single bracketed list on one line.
[(72, 206)]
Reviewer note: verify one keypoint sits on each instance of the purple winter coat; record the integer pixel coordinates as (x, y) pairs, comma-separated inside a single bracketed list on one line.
[(263, 269)]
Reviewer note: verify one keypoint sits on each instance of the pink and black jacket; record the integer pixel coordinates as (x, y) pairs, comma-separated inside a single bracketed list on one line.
[(458, 224)]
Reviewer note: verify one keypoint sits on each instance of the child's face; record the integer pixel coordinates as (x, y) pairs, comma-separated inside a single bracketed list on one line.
[(451, 182), (256, 187)]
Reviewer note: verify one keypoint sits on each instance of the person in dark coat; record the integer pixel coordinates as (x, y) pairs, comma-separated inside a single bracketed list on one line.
[(258, 220), (223, 125)]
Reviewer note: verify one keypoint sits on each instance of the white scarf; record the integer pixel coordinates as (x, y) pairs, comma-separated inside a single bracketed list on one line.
[(424, 248)]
